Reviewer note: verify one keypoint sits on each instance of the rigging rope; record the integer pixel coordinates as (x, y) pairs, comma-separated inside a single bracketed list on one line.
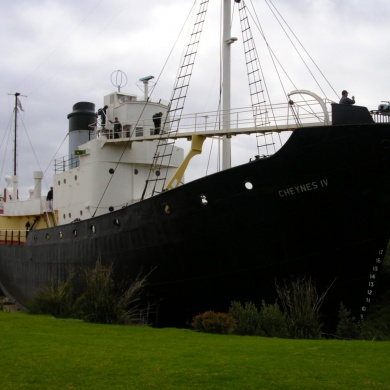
[(144, 107), (304, 51)]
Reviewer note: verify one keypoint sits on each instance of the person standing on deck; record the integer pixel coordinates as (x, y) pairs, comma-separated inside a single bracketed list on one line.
[(49, 199), (345, 99), (157, 122)]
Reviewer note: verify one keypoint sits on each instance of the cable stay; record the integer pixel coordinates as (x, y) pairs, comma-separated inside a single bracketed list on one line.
[(161, 161)]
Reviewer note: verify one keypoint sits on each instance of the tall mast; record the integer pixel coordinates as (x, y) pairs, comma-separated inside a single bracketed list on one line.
[(227, 40), (15, 129)]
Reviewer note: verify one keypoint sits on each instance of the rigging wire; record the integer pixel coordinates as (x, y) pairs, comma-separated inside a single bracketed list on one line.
[(322, 74), (35, 155), (58, 46), (8, 132), (144, 107), (275, 58), (104, 27)]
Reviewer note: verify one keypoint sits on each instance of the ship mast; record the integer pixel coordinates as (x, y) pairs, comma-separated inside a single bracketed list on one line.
[(15, 176), (15, 129), (227, 40)]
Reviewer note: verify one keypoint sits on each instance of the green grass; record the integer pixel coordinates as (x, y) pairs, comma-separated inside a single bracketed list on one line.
[(41, 352)]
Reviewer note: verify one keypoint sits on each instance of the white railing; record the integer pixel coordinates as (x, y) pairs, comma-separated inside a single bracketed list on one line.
[(274, 118)]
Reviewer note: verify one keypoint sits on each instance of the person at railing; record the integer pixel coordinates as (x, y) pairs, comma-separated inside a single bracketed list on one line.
[(345, 99), (102, 112), (117, 127), (49, 199), (157, 122)]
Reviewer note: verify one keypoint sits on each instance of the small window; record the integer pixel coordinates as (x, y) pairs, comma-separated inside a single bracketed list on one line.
[(139, 131), (248, 185), (166, 208)]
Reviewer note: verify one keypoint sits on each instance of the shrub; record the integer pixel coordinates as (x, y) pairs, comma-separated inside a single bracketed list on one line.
[(347, 328), (301, 304), (247, 318), (273, 321), (105, 303), (97, 300), (56, 299), (211, 322)]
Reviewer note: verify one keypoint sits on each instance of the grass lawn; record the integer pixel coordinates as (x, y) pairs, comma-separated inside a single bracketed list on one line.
[(41, 352)]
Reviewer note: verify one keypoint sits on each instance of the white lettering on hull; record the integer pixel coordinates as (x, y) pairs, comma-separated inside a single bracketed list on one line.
[(301, 188)]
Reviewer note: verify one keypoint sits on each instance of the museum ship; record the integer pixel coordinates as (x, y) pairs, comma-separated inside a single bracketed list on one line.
[(317, 208)]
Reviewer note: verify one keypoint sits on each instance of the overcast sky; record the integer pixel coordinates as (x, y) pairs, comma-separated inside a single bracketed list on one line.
[(58, 53)]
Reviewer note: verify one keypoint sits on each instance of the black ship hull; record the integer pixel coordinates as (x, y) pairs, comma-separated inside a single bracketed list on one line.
[(318, 208)]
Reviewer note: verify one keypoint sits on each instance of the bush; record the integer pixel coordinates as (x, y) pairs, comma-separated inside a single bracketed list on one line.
[(301, 304), (269, 321), (347, 328), (56, 299), (105, 303), (211, 322), (273, 321), (98, 300), (247, 318)]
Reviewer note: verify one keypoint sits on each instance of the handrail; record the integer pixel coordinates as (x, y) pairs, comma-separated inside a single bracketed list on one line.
[(13, 237), (306, 112)]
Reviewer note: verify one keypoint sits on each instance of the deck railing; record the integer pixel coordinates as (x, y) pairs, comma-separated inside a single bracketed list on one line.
[(13, 237)]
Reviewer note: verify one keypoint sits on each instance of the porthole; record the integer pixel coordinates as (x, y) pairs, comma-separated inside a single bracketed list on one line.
[(385, 144), (203, 200), (60, 234), (47, 236), (248, 185), (75, 233), (59, 182), (93, 229), (70, 215), (81, 212), (116, 222), (111, 209), (64, 181), (166, 208), (111, 170), (135, 171), (64, 216), (75, 177), (157, 173)]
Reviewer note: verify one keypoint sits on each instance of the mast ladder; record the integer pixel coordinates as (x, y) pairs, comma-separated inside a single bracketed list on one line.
[(256, 89), (159, 169)]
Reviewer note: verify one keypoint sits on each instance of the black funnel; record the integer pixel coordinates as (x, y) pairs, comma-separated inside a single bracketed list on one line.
[(82, 116)]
